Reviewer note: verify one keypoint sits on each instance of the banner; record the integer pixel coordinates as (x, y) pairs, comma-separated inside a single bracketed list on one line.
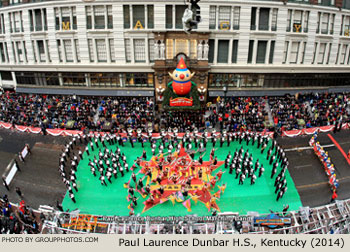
[(310, 131), (24, 152)]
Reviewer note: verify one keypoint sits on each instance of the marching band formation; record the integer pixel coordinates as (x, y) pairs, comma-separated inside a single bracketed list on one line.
[(168, 148)]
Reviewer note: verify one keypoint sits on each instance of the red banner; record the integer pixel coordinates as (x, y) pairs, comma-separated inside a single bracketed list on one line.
[(310, 131), (181, 102)]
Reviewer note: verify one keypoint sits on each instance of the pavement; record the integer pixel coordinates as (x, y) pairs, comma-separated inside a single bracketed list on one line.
[(41, 184), (39, 179), (307, 172)]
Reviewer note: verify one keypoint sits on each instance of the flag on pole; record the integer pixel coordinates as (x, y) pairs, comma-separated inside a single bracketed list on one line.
[(187, 204), (172, 199), (217, 194), (208, 206), (179, 197), (222, 188), (162, 200), (195, 199)]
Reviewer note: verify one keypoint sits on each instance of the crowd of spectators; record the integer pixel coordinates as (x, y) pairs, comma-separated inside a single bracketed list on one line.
[(289, 112), (126, 112), (17, 219), (182, 120), (329, 108), (242, 113), (75, 112), (234, 114)]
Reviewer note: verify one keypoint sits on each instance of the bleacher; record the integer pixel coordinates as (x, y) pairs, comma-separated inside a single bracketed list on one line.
[(327, 219)]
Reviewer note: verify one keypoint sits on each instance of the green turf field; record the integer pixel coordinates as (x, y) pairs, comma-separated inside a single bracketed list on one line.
[(93, 198)]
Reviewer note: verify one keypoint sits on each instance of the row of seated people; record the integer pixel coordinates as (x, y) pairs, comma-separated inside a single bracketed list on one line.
[(117, 113)]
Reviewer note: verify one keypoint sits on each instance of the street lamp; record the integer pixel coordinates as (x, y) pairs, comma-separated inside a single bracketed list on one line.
[(225, 95)]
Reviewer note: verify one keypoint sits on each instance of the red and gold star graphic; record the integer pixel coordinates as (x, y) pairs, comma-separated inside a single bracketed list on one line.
[(182, 173)]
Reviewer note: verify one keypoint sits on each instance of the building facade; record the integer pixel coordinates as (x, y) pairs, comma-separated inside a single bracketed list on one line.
[(128, 47)]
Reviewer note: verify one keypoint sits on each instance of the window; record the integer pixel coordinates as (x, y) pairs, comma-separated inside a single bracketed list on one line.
[(126, 11), (223, 51), (331, 25), (253, 19), (127, 50), (77, 49), (329, 52), (68, 50), (343, 54), (289, 19), (109, 17), (101, 50), (59, 49), (338, 51), (41, 50), (193, 49), (306, 21), (139, 50), (181, 46), (297, 20), (150, 16), (250, 51), (73, 79), (66, 22), (326, 2), (6, 75), (236, 17), (151, 50), (346, 4), (261, 53), (272, 51), (2, 24), (224, 18), (91, 50), (38, 20), (325, 20), (63, 18), (315, 50), (111, 49), (294, 51), (35, 54), (179, 12), (303, 52), (138, 13), (285, 52), (274, 19), (169, 49), (16, 21), (212, 17), (47, 47), (99, 16), (321, 53), (347, 26), (169, 16), (234, 51), (14, 52), (20, 51), (105, 79), (211, 50), (37, 78), (264, 19), (138, 79), (2, 52), (342, 25)]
